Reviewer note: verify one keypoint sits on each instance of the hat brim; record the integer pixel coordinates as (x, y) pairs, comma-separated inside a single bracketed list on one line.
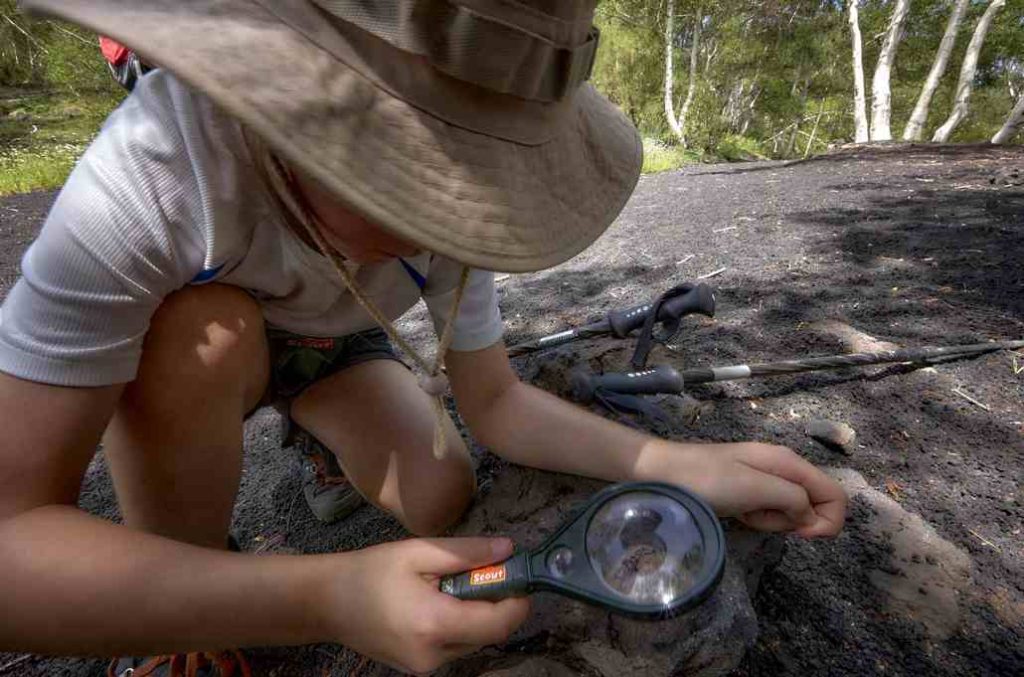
[(484, 201)]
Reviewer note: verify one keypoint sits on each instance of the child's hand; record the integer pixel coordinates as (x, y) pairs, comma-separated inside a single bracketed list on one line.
[(388, 605), (765, 486)]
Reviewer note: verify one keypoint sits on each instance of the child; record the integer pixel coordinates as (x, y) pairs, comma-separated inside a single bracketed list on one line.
[(308, 171)]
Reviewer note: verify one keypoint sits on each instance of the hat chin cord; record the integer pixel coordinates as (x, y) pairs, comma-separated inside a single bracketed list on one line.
[(432, 379)]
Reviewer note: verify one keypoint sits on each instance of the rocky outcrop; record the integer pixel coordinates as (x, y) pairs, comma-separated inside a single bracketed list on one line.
[(565, 637)]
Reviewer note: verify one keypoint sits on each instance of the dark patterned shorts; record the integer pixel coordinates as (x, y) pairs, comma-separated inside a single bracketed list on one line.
[(297, 362)]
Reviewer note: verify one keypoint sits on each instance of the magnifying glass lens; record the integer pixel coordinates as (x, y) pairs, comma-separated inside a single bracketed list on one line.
[(645, 547)]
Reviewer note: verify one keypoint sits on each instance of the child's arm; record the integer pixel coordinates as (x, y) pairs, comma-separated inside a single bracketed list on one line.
[(76, 584), (769, 487)]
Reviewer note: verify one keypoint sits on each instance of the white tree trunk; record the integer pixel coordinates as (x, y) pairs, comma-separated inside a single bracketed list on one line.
[(814, 132), (966, 84), (860, 111), (915, 127), (881, 95), (1012, 124), (678, 124), (750, 109), (670, 113), (691, 88)]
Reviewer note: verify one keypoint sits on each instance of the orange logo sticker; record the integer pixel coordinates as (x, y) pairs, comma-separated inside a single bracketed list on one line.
[(487, 575)]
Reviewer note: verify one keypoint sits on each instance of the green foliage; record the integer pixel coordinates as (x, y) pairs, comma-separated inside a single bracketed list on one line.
[(736, 148), (773, 74), (43, 134), (44, 53), (55, 92), (41, 168), (21, 53), (660, 156), (75, 64), (629, 69)]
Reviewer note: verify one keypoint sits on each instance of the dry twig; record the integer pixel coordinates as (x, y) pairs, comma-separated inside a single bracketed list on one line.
[(28, 35), (269, 544), (971, 399), (984, 540), (15, 663), (74, 35), (714, 273)]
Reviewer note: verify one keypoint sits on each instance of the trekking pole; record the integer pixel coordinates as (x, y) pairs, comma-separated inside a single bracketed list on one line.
[(688, 299), (664, 379)]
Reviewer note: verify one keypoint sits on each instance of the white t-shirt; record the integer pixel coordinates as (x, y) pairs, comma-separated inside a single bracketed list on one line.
[(167, 196)]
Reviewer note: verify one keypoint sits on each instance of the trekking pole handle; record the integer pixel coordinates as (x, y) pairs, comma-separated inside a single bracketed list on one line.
[(510, 578), (700, 299), (658, 380)]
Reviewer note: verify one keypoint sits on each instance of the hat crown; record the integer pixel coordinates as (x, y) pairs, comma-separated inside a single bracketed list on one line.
[(540, 50), (418, 137)]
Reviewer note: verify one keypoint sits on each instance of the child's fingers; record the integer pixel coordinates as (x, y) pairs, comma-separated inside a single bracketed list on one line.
[(786, 506), (829, 501), (824, 493), (767, 520), (776, 494), (823, 526), (440, 556), (773, 520), (483, 623)]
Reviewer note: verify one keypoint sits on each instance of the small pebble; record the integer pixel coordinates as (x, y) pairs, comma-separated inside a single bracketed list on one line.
[(838, 436)]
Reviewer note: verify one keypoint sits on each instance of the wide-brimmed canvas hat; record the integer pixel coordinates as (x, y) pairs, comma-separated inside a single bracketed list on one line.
[(464, 126)]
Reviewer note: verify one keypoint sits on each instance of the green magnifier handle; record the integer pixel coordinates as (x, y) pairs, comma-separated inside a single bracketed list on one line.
[(510, 578)]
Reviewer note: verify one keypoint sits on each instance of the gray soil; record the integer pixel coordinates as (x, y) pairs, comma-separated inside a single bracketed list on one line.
[(910, 245)]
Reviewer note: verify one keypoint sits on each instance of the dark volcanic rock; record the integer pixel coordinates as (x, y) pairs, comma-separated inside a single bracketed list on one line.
[(1008, 177), (534, 667), (710, 640)]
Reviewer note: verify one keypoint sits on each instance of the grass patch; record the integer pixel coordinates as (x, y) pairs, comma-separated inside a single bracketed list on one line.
[(660, 157), (736, 148), (43, 133)]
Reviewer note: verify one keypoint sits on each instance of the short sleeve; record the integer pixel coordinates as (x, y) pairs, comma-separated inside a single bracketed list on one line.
[(121, 236), (478, 324)]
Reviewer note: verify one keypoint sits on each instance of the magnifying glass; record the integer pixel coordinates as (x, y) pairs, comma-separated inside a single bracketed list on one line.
[(644, 549)]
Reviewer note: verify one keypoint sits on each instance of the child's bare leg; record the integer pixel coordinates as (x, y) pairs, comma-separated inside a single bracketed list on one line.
[(175, 443), (381, 426)]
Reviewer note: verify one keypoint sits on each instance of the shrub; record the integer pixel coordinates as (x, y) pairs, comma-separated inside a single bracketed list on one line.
[(736, 148), (660, 156)]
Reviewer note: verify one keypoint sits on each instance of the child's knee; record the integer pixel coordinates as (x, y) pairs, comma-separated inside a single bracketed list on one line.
[(208, 331), (451, 497), (210, 337), (433, 523), (211, 325)]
